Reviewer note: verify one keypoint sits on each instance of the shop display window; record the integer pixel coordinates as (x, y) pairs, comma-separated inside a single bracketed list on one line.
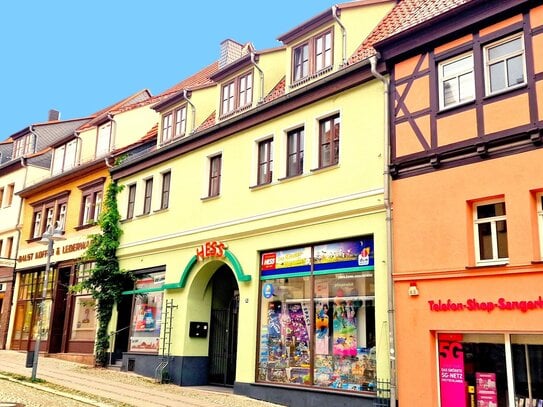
[(84, 321), (317, 320), (147, 314), (475, 369)]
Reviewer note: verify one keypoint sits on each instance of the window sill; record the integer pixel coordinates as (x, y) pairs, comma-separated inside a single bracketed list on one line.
[(210, 198), (143, 215), (260, 186), (291, 177), (488, 265), (87, 226), (507, 90), (322, 169), (448, 109), (161, 210)]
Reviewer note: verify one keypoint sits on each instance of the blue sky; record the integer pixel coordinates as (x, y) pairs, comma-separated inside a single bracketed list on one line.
[(79, 57)]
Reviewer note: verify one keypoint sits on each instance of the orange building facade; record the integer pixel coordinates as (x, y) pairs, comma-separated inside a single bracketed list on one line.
[(466, 115)]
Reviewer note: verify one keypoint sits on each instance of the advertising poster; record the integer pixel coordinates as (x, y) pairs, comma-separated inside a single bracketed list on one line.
[(345, 331), (286, 262), (451, 374), (487, 393), (356, 254)]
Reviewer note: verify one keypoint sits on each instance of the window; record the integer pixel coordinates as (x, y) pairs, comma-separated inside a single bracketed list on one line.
[(165, 197), (174, 124), (148, 195), (312, 57), (9, 194), (9, 247), (131, 201), (24, 145), (456, 81), (317, 316), (237, 94), (64, 157), (329, 141), (491, 232), (91, 205), (84, 321), (504, 64), (103, 142), (265, 162), (49, 212), (295, 152), (1, 247), (1, 197), (215, 164)]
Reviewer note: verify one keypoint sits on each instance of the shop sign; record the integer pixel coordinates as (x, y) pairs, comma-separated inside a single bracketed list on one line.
[(451, 374), (41, 254), (210, 249), (268, 290), (474, 304)]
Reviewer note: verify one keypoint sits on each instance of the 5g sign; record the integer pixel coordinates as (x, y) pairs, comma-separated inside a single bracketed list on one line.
[(451, 373)]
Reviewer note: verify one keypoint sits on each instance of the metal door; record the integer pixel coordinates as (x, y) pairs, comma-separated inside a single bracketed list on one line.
[(223, 344)]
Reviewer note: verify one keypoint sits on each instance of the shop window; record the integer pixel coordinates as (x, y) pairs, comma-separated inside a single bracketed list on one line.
[(84, 320), (474, 370), (456, 81), (147, 314), (490, 233), (329, 141), (333, 284), (504, 64), (295, 152)]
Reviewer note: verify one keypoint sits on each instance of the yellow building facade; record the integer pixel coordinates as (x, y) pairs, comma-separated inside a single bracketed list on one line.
[(258, 234)]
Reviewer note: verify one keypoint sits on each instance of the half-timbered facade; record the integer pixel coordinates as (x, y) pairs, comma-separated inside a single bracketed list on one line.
[(466, 120)]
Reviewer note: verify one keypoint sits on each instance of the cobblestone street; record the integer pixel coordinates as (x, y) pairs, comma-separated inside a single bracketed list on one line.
[(72, 384)]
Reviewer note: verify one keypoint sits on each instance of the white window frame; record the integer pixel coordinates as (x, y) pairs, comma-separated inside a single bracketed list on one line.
[(504, 58), (495, 260), (457, 75), (64, 158)]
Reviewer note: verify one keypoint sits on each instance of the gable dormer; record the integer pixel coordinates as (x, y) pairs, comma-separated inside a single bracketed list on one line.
[(323, 44)]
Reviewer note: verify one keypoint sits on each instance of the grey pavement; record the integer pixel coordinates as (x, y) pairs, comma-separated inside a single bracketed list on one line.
[(79, 385)]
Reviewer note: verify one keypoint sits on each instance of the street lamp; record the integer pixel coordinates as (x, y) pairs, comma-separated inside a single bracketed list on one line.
[(48, 238)]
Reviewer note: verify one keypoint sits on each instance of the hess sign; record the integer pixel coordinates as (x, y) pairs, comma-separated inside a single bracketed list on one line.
[(210, 249)]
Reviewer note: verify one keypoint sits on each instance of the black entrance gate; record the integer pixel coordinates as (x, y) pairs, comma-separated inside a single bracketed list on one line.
[(223, 344)]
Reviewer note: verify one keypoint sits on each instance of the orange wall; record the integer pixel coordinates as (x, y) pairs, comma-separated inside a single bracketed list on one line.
[(432, 218)]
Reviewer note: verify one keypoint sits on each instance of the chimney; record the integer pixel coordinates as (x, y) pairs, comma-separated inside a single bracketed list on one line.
[(53, 115), (230, 51)]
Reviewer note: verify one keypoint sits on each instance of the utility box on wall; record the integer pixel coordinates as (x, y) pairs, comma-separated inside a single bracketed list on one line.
[(198, 329)]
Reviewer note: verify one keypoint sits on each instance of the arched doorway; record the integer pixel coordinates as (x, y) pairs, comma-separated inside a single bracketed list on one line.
[(223, 332)]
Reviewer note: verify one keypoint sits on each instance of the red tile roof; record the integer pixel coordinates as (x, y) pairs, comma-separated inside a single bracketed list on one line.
[(277, 91), (199, 79), (404, 15)]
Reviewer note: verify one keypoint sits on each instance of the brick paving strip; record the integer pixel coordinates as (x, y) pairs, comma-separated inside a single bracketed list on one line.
[(120, 387)]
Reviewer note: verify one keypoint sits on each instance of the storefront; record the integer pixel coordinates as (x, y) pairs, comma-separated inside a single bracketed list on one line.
[(317, 316)]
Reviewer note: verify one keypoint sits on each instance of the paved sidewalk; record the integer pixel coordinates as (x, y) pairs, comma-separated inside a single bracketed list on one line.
[(102, 387)]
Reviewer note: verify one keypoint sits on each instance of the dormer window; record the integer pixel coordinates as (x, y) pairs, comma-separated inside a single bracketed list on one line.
[(237, 94), (103, 142), (24, 145), (312, 56), (174, 124), (64, 157)]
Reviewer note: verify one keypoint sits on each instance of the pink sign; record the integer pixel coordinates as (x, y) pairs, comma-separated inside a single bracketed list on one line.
[(451, 374), (487, 393)]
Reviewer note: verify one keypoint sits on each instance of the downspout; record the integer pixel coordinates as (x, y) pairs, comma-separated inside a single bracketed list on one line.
[(261, 77), (343, 33), (106, 159), (388, 209), (193, 109)]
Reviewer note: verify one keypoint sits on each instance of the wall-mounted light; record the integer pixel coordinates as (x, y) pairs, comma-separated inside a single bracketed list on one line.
[(413, 290)]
